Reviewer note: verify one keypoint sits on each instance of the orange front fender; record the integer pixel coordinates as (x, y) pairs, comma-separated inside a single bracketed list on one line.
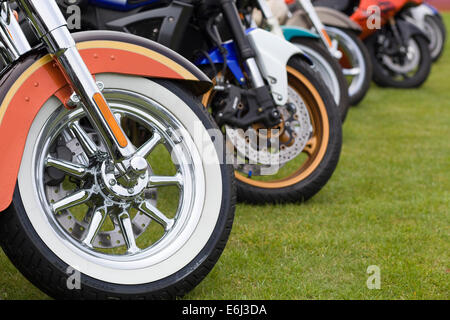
[(28, 85)]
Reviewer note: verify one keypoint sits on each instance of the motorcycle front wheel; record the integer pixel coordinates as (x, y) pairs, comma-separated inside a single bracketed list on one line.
[(409, 69), (307, 146), (78, 231), (356, 64)]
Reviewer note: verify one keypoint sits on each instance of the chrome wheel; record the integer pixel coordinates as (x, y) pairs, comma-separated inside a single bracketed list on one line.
[(105, 213), (354, 68)]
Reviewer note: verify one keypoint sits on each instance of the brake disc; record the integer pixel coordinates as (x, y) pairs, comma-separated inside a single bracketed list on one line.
[(252, 156)]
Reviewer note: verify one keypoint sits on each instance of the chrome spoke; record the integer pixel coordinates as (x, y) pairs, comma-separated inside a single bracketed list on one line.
[(151, 211), (111, 209), (118, 117), (75, 170), (351, 72), (67, 136), (161, 181), (148, 147), (73, 200), (127, 231), (85, 140), (88, 215), (97, 220)]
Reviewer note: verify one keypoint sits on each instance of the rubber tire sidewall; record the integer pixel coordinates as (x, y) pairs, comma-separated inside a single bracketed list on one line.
[(382, 79)]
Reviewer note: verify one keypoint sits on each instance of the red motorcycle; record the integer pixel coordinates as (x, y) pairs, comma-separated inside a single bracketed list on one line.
[(399, 50)]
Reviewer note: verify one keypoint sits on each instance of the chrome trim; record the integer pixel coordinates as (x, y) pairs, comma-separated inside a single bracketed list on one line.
[(272, 21), (44, 15), (257, 79), (177, 224), (13, 42), (50, 25)]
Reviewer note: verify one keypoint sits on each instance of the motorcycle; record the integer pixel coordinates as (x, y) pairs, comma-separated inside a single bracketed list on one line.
[(399, 50), (86, 213), (429, 20), (273, 13), (265, 90), (340, 35)]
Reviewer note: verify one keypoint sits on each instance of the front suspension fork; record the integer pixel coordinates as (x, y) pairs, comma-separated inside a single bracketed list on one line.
[(246, 50), (320, 28), (51, 27), (264, 97)]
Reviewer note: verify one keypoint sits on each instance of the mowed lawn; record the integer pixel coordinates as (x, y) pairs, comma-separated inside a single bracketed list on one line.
[(388, 205)]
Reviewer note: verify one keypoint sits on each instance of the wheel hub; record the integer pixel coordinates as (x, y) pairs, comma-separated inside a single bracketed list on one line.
[(295, 133), (124, 186), (408, 61), (111, 190)]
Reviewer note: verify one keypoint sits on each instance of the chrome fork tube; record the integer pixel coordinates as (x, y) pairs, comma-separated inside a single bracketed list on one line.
[(314, 18), (13, 43), (257, 79), (49, 23), (247, 52), (320, 27), (272, 21)]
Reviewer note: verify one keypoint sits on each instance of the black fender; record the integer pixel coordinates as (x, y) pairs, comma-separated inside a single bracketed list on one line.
[(174, 20)]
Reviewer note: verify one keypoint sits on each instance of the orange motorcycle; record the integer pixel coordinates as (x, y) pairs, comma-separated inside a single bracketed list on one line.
[(399, 49)]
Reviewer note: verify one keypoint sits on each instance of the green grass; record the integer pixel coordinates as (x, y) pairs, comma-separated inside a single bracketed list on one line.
[(386, 205)]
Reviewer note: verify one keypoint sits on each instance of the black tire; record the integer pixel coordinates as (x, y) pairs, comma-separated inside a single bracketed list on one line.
[(384, 78), (314, 182), (319, 48), (359, 94), (437, 24), (44, 269)]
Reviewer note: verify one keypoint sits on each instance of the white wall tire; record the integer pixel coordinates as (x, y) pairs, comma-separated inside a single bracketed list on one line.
[(149, 275)]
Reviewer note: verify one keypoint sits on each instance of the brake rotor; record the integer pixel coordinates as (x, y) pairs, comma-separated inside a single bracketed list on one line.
[(259, 153)]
